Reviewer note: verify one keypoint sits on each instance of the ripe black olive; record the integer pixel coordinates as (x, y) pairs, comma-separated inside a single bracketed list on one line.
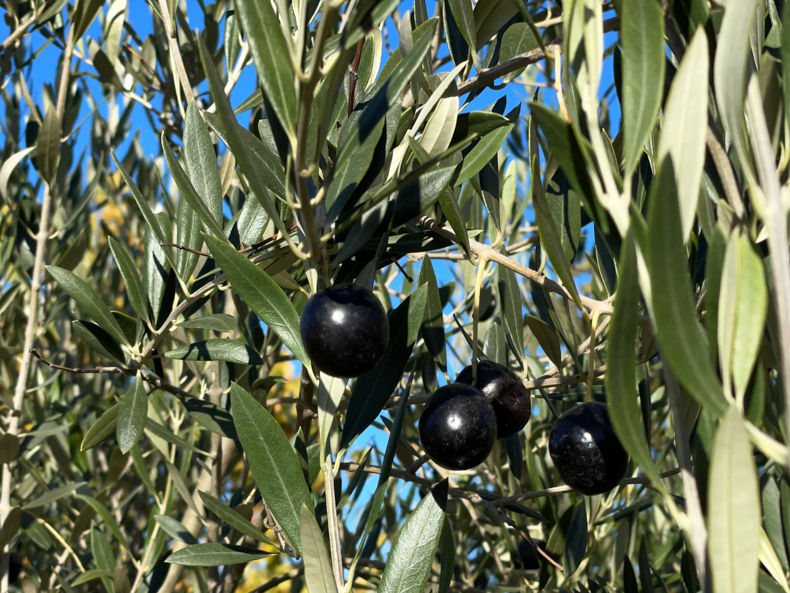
[(344, 330), (457, 427), (528, 555), (586, 451), (507, 394)]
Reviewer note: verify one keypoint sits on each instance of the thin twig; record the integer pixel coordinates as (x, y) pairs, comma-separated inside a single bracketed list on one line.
[(280, 579), (402, 270)]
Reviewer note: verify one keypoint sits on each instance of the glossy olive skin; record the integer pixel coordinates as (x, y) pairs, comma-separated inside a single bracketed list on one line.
[(457, 427), (529, 556), (344, 330), (586, 451), (511, 401)]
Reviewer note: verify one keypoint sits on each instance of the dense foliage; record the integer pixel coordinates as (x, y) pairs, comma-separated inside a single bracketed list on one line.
[(178, 179)]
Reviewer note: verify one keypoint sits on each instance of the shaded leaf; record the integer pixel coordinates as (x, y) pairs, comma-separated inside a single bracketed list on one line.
[(547, 338), (678, 331), (48, 146), (175, 529), (211, 416), (234, 519), (576, 540), (131, 278), (433, 322)]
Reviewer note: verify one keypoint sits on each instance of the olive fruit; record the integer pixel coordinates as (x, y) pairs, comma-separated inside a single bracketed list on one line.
[(586, 451), (510, 399), (344, 330), (457, 426), (528, 555)]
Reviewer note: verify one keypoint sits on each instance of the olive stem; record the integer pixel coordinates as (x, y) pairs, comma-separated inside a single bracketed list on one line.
[(476, 317)]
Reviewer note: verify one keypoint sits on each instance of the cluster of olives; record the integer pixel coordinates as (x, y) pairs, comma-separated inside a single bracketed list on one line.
[(345, 332), (461, 421)]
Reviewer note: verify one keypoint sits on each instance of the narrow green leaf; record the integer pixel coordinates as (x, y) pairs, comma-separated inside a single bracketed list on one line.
[(273, 462), (175, 529), (215, 555), (103, 557), (743, 305), (88, 301), (272, 56), (101, 429), (317, 570), (268, 166), (234, 138), (409, 562), (373, 389), (510, 308), (211, 416), (11, 525), (495, 345), (547, 338), (330, 392), (678, 331), (576, 539), (448, 557), (53, 495), (131, 278), (99, 340), (433, 323), (132, 415), (391, 91), (201, 162), (772, 512), (549, 236), (48, 146), (733, 509), (145, 209), (218, 322), (89, 575), (156, 430), (686, 125), (234, 519), (217, 349), (463, 14), (729, 76), (189, 192), (621, 390), (108, 519), (262, 295), (485, 149), (643, 63)]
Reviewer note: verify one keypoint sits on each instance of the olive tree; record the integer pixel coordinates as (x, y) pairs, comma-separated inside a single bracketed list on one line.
[(592, 195)]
